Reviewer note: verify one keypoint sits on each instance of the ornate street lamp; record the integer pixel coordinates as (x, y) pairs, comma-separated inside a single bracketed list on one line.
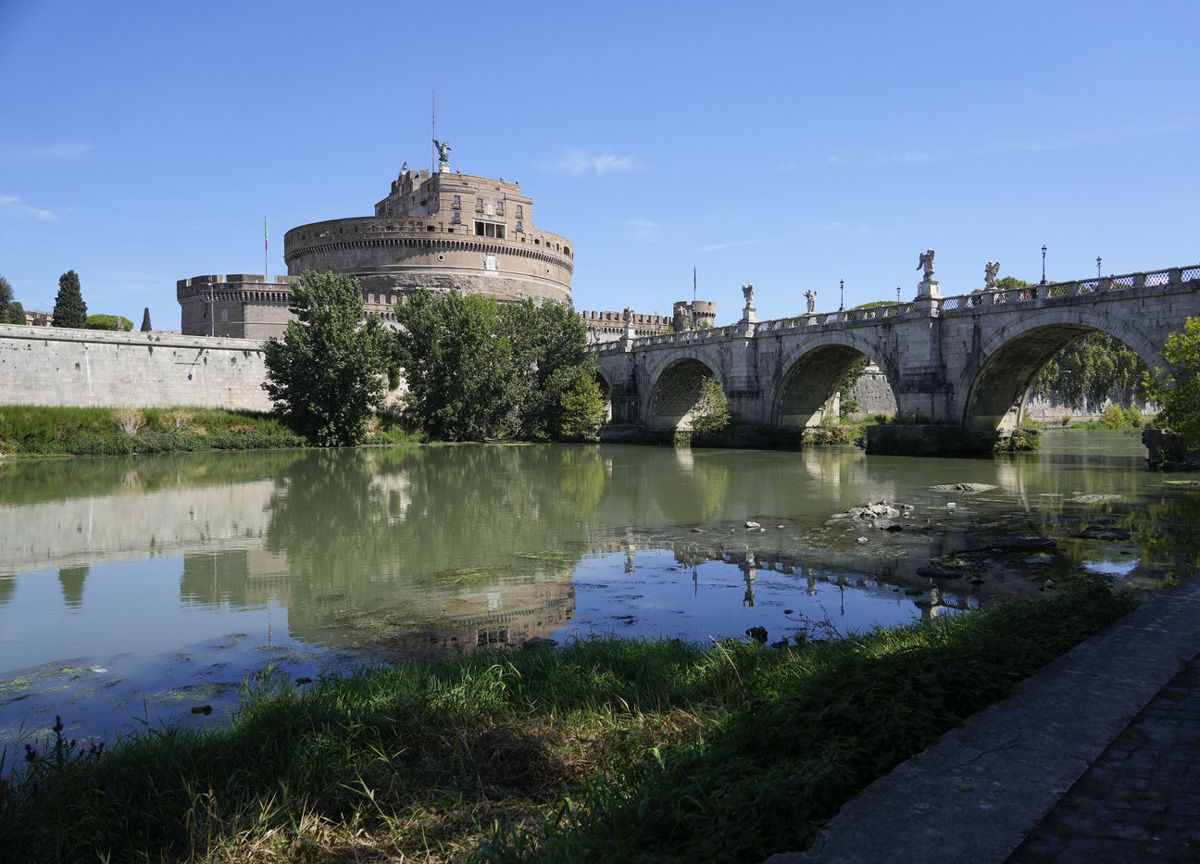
[(1043, 264), (842, 307), (1098, 259)]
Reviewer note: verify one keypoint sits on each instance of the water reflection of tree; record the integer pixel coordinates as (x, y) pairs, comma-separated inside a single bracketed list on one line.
[(368, 526), (71, 580)]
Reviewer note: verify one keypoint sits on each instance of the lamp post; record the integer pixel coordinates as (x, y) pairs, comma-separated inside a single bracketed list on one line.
[(842, 306), (1043, 263), (1098, 259), (897, 293)]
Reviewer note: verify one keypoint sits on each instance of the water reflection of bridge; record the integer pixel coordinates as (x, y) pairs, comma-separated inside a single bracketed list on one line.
[(930, 595)]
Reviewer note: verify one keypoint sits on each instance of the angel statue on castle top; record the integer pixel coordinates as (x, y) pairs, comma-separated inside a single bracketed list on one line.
[(927, 262)]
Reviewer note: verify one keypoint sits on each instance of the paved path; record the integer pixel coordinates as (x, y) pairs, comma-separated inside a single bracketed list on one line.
[(1140, 801), (1096, 758)]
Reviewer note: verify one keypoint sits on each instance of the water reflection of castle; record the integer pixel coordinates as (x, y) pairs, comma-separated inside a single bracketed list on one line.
[(487, 613)]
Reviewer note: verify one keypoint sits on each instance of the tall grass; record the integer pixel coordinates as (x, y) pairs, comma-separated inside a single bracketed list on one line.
[(605, 750), (48, 431)]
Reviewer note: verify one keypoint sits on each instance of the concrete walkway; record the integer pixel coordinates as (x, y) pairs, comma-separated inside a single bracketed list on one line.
[(1096, 758)]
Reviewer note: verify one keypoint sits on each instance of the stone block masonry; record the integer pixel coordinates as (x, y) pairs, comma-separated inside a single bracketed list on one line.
[(103, 369)]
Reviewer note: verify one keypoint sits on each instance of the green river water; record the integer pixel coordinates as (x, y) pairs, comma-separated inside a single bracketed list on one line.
[(134, 590)]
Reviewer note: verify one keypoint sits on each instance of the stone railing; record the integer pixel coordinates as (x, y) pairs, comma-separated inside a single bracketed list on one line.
[(979, 302)]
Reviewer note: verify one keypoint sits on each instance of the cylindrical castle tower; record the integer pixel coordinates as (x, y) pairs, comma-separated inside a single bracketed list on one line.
[(440, 231)]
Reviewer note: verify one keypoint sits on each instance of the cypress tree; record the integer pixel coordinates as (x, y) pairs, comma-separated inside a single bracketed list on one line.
[(69, 308), (146, 328), (16, 313)]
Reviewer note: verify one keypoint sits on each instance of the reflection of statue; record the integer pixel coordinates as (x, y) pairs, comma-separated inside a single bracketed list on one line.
[(989, 273), (927, 263), (443, 148), (811, 296), (748, 293)]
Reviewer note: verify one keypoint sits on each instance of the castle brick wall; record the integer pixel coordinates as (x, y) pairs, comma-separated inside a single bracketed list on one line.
[(94, 368)]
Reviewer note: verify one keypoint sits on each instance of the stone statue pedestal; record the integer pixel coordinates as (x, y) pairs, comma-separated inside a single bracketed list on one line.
[(750, 314), (928, 292)]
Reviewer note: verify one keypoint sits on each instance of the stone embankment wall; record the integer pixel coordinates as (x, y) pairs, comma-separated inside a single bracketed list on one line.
[(95, 368)]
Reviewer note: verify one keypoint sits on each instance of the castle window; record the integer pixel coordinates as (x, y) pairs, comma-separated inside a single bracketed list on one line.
[(489, 229), (520, 212), (520, 225), (499, 208), (457, 203), (478, 205), (456, 218)]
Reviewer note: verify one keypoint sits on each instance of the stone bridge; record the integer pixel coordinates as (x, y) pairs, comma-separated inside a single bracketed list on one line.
[(967, 360)]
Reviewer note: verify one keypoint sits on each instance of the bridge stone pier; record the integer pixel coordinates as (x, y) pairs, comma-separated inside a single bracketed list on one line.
[(964, 361)]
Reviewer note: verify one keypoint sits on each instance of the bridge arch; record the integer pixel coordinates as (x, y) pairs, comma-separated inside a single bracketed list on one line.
[(993, 387), (809, 375), (675, 390)]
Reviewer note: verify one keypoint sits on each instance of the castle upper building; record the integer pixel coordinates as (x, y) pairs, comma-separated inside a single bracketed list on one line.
[(438, 230)]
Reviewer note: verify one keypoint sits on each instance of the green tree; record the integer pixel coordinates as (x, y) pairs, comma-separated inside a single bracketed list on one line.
[(582, 410), (711, 415), (326, 375), (69, 308), (108, 322), (146, 328), (6, 297), (16, 313), (549, 344), (477, 368), (847, 401), (1090, 370), (458, 365), (1177, 389)]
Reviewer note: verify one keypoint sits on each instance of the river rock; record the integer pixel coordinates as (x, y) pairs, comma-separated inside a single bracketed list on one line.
[(1093, 499), (753, 525), (539, 642), (962, 487), (1102, 532), (878, 510), (1021, 543)]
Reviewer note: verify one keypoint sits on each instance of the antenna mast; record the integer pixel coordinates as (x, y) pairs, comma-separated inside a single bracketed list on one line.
[(432, 126)]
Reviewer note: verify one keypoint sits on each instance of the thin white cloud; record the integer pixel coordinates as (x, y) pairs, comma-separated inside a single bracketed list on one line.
[(579, 162), (62, 150), (837, 228), (1087, 138), (10, 205), (715, 247), (645, 230)]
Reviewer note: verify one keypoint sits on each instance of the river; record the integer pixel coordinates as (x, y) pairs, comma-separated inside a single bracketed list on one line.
[(145, 590)]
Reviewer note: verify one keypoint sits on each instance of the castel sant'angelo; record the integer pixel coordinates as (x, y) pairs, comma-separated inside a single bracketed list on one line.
[(436, 230)]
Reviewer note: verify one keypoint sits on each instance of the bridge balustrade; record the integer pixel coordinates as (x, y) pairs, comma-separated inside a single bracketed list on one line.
[(991, 297)]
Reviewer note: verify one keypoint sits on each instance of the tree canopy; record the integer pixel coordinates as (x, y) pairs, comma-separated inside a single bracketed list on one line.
[(16, 313), (326, 375), (1178, 389), (108, 322), (69, 308), (477, 368)]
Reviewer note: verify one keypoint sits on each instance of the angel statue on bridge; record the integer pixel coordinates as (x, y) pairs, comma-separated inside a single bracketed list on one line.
[(748, 293), (989, 274), (811, 296), (927, 263)]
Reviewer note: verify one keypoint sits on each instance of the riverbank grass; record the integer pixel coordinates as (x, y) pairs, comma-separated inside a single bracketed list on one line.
[(604, 750), (47, 431)]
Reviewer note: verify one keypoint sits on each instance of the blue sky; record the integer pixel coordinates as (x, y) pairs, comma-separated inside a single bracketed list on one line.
[(791, 145)]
